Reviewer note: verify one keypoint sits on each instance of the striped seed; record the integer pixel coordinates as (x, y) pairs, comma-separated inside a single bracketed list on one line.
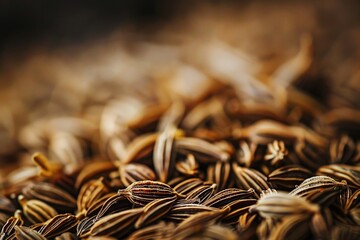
[(227, 196), (25, 233), (319, 189), (58, 225), (202, 193), (188, 166), (154, 211), (203, 151), (279, 204), (36, 211), (288, 177), (89, 193), (341, 172), (250, 178), (50, 194), (181, 211), (221, 174), (143, 192), (116, 224), (132, 172)]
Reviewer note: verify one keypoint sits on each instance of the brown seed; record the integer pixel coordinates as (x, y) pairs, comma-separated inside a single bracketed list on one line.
[(341, 172), (288, 177), (84, 226), (163, 158), (112, 204), (181, 211), (196, 222), (214, 232), (227, 196), (116, 224), (344, 150), (202, 193), (321, 223), (246, 153), (319, 189), (160, 230), (94, 170), (8, 229), (66, 236), (237, 208), (130, 173), (279, 204), (276, 152), (25, 233), (6, 206), (221, 174), (58, 225), (36, 211), (140, 147), (188, 166), (188, 185), (308, 155), (250, 178), (143, 192), (89, 193), (154, 211), (203, 151), (50, 194), (291, 227)]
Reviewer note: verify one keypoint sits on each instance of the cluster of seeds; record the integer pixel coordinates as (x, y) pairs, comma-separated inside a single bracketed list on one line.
[(233, 160)]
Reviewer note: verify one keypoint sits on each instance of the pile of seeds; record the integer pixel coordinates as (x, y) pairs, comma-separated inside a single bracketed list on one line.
[(245, 156)]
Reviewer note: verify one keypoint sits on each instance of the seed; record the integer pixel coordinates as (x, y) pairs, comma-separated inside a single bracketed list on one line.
[(89, 193), (196, 222), (140, 147), (288, 177), (181, 211), (50, 194), (188, 185), (36, 211), (130, 173), (57, 225), (320, 189), (116, 224), (291, 227), (227, 196), (143, 192), (8, 229), (276, 152), (341, 172), (66, 236), (279, 204), (160, 230), (237, 208), (221, 174), (202, 150), (202, 193), (84, 226), (154, 211), (249, 178), (344, 150), (188, 166), (25, 233), (112, 204)]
